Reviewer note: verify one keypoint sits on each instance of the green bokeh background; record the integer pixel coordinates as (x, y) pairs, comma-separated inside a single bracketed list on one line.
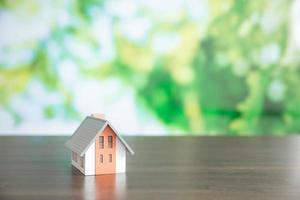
[(213, 67)]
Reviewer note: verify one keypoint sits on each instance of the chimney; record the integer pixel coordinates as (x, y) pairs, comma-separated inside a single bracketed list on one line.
[(98, 115)]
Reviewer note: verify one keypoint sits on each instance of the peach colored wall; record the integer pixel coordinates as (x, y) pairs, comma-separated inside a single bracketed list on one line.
[(106, 167)]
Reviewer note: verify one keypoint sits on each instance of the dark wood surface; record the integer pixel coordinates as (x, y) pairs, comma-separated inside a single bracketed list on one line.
[(208, 168)]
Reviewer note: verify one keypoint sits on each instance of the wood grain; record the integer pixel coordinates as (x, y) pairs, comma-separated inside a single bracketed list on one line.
[(208, 168)]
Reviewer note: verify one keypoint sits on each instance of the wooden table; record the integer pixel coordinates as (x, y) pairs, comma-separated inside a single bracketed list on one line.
[(163, 168)]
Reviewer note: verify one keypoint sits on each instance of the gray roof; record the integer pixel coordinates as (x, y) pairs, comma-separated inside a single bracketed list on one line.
[(86, 133)]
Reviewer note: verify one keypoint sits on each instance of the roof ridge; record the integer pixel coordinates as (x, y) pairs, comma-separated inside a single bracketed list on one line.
[(97, 118)]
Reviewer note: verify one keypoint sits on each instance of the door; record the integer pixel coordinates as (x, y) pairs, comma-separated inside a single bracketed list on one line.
[(105, 147)]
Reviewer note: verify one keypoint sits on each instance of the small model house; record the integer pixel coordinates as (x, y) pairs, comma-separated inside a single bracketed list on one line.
[(97, 148)]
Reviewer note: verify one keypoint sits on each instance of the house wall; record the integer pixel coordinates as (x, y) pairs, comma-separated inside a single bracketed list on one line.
[(90, 160), (90, 157), (120, 157), (105, 167), (77, 164)]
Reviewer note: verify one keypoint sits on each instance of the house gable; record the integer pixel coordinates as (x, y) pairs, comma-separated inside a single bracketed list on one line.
[(105, 151)]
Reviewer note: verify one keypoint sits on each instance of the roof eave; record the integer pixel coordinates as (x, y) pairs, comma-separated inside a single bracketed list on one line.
[(128, 148)]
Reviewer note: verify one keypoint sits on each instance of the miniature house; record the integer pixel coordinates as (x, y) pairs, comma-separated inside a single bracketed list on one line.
[(97, 148)]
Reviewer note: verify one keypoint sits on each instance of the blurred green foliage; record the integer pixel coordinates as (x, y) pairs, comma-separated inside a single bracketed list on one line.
[(233, 69)]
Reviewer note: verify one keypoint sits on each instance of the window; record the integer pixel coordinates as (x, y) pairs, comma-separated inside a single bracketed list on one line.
[(82, 162), (74, 156), (101, 158), (110, 142), (110, 158), (101, 142)]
